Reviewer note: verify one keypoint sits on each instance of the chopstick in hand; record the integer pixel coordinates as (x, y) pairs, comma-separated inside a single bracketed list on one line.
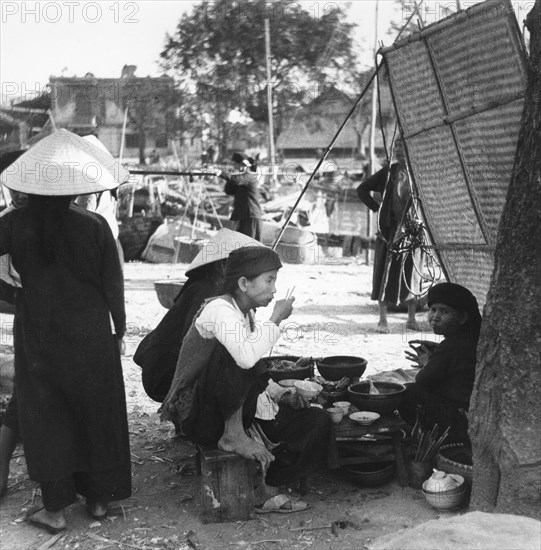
[(289, 293)]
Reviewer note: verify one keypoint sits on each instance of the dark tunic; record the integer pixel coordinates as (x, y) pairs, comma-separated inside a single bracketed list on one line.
[(158, 352), (391, 283), (246, 209), (444, 386), (70, 390)]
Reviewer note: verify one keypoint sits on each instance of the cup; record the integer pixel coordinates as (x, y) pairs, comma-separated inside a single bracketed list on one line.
[(344, 405), (336, 414)]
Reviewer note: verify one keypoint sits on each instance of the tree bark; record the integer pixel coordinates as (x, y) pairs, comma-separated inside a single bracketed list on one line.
[(505, 412)]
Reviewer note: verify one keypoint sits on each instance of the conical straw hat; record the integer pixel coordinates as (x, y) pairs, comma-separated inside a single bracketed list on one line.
[(64, 164), (219, 247)]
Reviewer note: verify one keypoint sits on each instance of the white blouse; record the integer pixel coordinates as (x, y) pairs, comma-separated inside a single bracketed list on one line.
[(224, 321)]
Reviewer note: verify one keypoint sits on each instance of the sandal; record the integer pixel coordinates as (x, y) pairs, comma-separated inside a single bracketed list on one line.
[(282, 504), (41, 524)]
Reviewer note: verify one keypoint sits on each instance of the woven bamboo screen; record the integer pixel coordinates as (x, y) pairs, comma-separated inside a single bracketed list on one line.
[(458, 88)]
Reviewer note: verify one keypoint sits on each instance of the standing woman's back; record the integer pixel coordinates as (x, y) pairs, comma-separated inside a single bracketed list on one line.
[(69, 318)]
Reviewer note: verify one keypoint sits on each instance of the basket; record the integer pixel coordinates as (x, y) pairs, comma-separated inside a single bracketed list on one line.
[(449, 459), (299, 373), (167, 290)]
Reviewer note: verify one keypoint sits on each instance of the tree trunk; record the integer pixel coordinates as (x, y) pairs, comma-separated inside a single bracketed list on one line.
[(505, 412)]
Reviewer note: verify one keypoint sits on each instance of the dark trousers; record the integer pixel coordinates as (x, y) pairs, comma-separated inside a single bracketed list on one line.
[(103, 487), (223, 388), (436, 410), (250, 226), (306, 438)]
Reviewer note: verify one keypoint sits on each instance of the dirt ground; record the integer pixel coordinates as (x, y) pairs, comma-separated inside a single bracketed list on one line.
[(333, 316)]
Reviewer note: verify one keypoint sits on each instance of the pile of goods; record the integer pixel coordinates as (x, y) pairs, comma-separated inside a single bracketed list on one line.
[(332, 390)]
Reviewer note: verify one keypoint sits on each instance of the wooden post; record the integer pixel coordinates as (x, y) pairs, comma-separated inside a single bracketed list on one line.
[(227, 492)]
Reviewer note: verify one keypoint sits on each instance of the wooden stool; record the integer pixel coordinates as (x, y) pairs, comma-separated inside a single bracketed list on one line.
[(227, 492)]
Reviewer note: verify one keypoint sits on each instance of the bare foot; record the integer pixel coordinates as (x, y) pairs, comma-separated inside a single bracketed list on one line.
[(383, 328), (246, 447), (53, 522), (412, 325)]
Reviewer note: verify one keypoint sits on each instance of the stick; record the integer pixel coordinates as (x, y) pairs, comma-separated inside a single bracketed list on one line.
[(289, 293), (112, 541), (257, 542), (311, 528), (51, 542)]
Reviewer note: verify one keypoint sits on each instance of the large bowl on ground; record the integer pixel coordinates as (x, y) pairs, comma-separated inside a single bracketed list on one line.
[(446, 500), (278, 371), (370, 474), (388, 399), (336, 367)]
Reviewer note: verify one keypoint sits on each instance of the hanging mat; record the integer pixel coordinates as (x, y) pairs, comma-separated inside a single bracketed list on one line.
[(458, 88)]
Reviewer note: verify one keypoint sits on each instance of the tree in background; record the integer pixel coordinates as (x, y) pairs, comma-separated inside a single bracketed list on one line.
[(218, 56), (505, 411)]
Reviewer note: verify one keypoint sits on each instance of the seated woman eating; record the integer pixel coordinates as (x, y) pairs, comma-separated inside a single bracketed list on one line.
[(222, 395), (444, 384)]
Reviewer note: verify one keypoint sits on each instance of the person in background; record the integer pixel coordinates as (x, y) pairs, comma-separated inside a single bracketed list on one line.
[(10, 284), (444, 384), (103, 203), (394, 281), (70, 390), (243, 186), (222, 395)]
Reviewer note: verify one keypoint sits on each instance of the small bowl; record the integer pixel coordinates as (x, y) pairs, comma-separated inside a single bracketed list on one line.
[(444, 501), (288, 383), (344, 405), (336, 413), (364, 418), (308, 390)]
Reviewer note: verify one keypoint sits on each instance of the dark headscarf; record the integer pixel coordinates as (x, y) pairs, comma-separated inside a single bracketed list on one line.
[(460, 298), (244, 160), (249, 262)]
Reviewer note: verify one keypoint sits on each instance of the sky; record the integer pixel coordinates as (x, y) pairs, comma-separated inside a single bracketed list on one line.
[(39, 39)]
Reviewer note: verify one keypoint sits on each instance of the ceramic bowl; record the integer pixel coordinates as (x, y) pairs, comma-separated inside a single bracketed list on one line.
[(337, 366), (365, 418), (288, 383), (344, 405), (372, 474), (336, 414), (444, 501), (449, 483), (390, 396), (308, 390)]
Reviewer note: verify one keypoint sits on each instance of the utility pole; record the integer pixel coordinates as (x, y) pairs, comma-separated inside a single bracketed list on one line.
[(370, 214), (272, 156)]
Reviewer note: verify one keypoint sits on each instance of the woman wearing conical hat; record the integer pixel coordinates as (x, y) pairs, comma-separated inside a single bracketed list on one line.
[(157, 353), (71, 400)]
